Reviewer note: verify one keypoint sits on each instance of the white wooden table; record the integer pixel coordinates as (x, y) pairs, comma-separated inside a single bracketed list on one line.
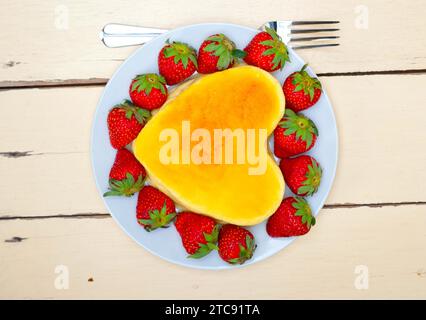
[(52, 71)]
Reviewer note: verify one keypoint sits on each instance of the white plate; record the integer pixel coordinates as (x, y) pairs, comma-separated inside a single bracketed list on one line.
[(166, 243)]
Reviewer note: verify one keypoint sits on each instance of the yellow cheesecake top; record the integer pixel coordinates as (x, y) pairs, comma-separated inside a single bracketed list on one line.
[(206, 147)]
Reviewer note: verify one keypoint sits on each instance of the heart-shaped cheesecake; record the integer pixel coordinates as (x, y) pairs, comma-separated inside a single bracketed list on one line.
[(207, 146)]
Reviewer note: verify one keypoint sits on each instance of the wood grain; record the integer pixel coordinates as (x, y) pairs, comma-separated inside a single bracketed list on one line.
[(389, 241), (380, 132), (51, 213), (62, 42)]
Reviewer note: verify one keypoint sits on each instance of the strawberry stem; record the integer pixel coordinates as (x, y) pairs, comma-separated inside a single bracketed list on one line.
[(158, 218), (125, 187), (210, 245)]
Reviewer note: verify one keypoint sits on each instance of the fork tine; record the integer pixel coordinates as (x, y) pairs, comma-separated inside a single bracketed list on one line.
[(297, 31), (313, 38), (300, 23), (315, 46), (288, 31)]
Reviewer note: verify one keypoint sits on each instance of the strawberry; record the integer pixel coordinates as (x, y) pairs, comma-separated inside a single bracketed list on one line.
[(236, 244), (148, 91), (217, 53), (154, 209), (295, 134), (302, 174), (125, 121), (292, 218), (301, 90), (126, 176), (267, 51), (176, 62), (199, 233)]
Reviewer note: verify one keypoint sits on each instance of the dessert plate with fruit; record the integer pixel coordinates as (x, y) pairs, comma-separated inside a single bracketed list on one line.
[(214, 146)]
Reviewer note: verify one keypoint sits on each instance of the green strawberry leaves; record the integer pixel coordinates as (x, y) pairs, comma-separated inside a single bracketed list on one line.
[(158, 219), (240, 54), (312, 181), (303, 81), (298, 124), (303, 210), (181, 52), (246, 252), (125, 187), (206, 248), (142, 115), (222, 47), (146, 82), (277, 48)]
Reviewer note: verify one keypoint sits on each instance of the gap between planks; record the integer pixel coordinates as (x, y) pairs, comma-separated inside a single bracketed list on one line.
[(37, 84), (93, 215), (20, 154)]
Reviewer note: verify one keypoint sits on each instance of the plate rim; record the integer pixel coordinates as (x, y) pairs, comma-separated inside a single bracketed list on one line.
[(99, 188)]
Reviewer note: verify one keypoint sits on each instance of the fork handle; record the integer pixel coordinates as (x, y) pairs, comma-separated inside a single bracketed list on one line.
[(116, 35)]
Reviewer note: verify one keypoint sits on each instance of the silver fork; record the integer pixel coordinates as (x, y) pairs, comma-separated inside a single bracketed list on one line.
[(296, 34)]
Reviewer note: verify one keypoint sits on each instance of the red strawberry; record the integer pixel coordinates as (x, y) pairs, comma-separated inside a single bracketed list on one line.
[(217, 53), (292, 218), (295, 134), (199, 233), (125, 121), (301, 90), (176, 62), (236, 244), (302, 174), (126, 176), (154, 209), (267, 51), (148, 91), (182, 220)]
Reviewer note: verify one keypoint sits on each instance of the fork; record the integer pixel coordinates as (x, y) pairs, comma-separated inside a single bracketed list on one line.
[(295, 34)]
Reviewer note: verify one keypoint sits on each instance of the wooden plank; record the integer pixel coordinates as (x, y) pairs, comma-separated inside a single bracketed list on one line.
[(64, 43), (55, 184), (50, 120), (388, 241), (381, 130)]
